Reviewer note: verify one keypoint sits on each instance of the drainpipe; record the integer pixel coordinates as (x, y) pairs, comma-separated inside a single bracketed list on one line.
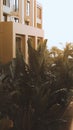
[(21, 11)]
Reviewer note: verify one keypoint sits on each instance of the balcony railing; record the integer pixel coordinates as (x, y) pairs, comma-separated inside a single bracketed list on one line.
[(6, 9)]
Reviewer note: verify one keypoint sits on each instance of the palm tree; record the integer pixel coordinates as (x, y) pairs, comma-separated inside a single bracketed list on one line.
[(35, 96)]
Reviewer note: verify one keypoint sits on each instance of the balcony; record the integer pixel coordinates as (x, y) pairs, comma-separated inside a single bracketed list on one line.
[(6, 9)]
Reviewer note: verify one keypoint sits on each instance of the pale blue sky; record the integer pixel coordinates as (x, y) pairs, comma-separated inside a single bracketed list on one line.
[(57, 21)]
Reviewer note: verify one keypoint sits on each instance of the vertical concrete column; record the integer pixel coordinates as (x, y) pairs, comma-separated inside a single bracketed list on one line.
[(41, 17), (21, 11), (1, 10), (26, 49), (35, 13), (8, 18), (32, 12)]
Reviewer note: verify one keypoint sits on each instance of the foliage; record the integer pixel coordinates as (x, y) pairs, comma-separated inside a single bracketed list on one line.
[(35, 96)]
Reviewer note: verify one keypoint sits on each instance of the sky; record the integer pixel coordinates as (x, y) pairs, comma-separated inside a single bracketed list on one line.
[(57, 22)]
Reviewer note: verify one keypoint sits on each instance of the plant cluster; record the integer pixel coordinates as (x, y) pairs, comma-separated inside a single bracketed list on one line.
[(35, 96)]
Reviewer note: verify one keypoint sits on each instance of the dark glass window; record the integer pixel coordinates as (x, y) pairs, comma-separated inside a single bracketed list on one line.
[(15, 2), (27, 22), (28, 8), (6, 2), (5, 17)]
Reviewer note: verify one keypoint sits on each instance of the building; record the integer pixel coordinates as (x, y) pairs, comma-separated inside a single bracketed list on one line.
[(19, 20)]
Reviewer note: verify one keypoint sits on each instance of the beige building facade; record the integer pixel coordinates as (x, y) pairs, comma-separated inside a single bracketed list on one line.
[(19, 20)]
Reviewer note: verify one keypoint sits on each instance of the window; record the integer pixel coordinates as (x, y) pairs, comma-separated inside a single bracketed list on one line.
[(15, 2), (4, 17), (18, 45), (16, 20), (6, 2), (27, 22), (28, 8), (39, 12)]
